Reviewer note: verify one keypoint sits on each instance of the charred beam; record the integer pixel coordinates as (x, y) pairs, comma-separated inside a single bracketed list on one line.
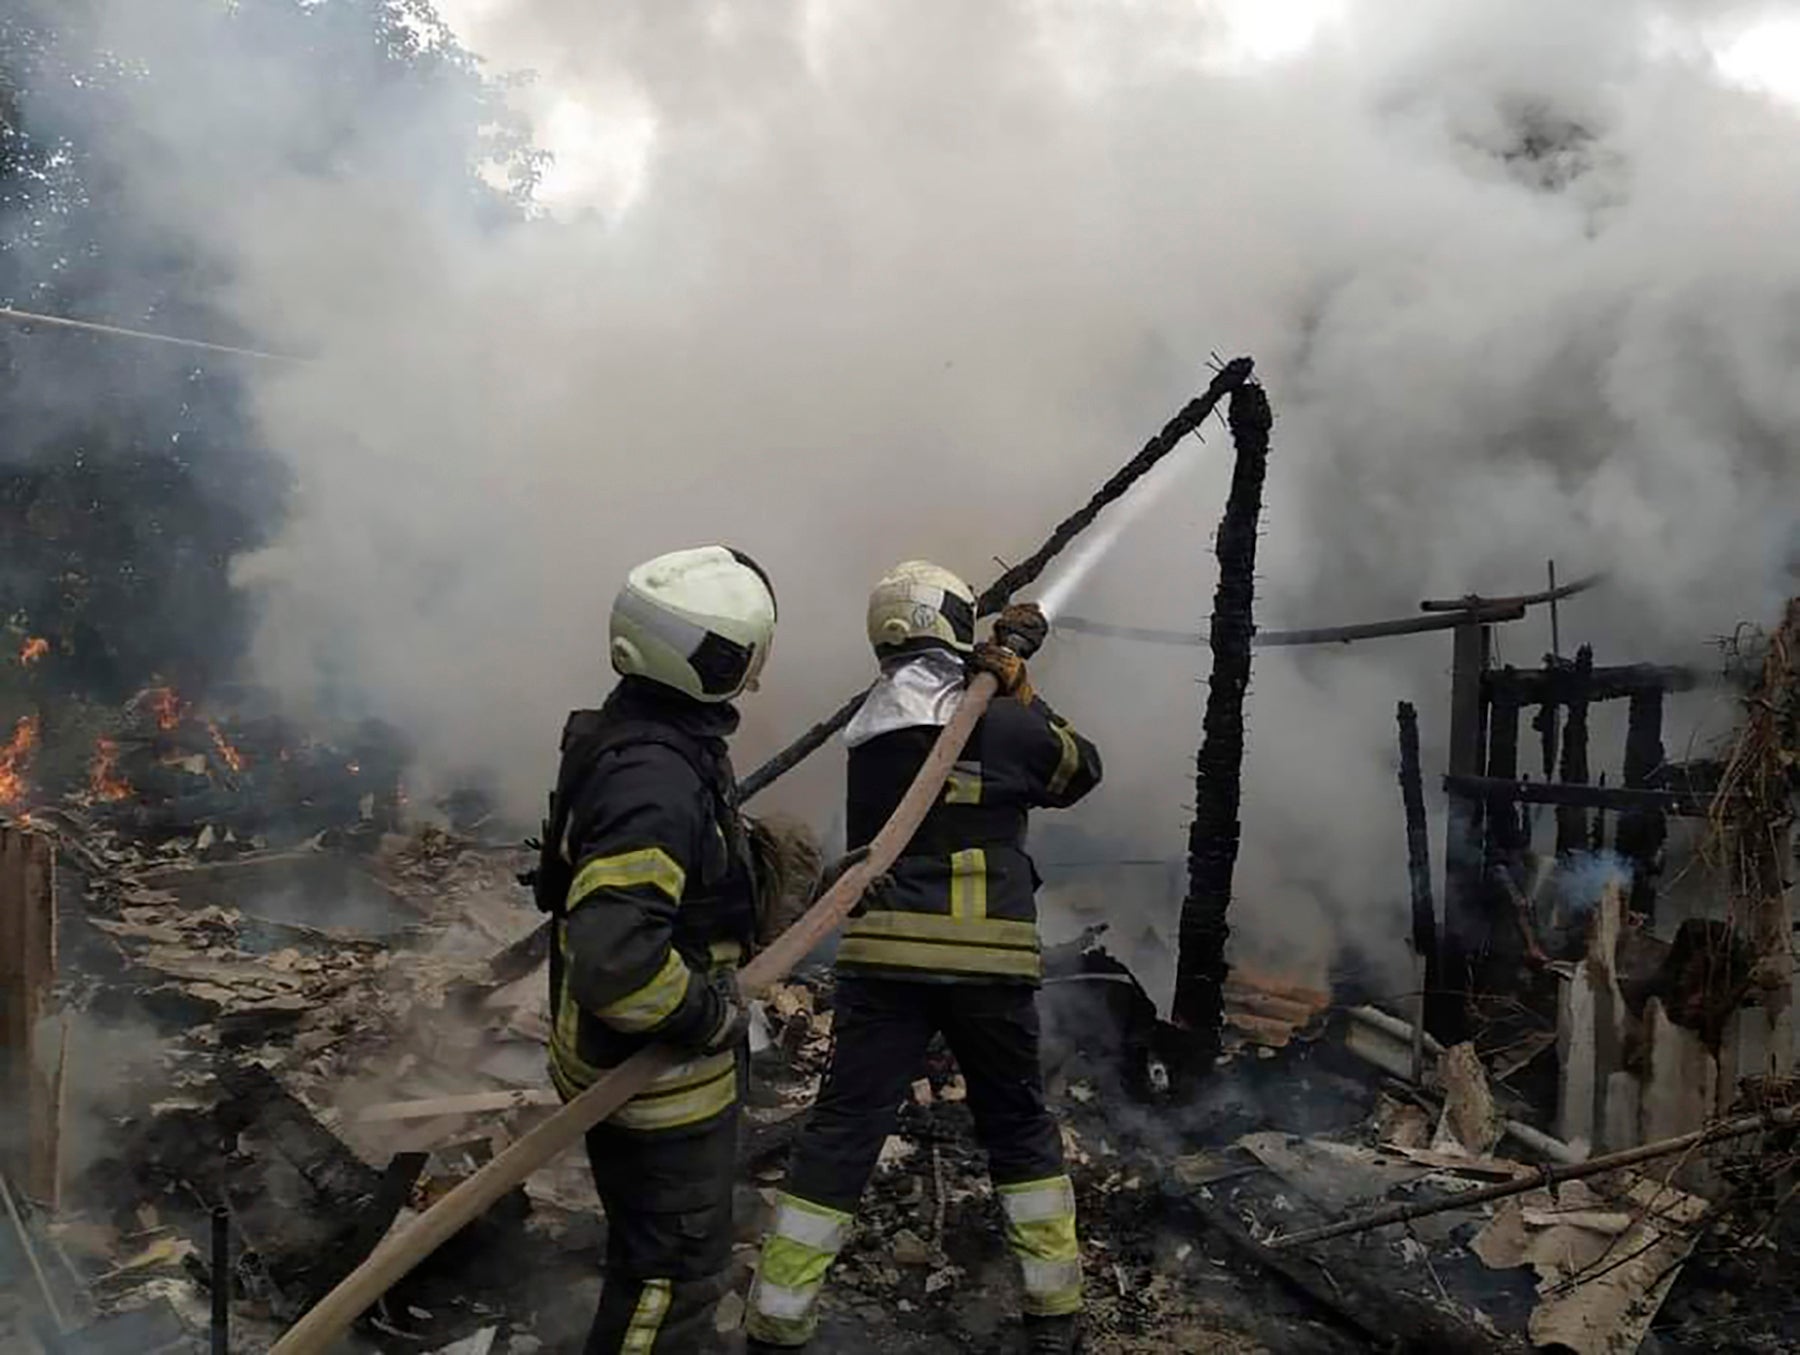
[(1494, 790), (1213, 836), (1475, 602), (1231, 377), (1418, 861), (1573, 683), (1565, 683), (1642, 832)]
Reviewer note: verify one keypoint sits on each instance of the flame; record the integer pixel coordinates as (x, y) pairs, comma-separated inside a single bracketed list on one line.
[(227, 754), (166, 705), (103, 772), (14, 755), (35, 648)]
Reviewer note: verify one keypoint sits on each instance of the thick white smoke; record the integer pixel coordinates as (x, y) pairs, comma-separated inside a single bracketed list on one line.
[(866, 282)]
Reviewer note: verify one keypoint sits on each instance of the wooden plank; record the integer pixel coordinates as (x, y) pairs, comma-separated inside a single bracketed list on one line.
[(474, 1103), (1465, 926), (29, 1134), (1496, 789)]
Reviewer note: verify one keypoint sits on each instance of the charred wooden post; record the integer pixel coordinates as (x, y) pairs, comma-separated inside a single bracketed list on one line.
[(1641, 833), (1465, 923), (221, 1281), (1418, 863), (1571, 820), (1507, 835), (1213, 837), (30, 1113)]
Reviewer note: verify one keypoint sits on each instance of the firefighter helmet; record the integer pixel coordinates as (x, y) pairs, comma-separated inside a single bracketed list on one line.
[(700, 621), (920, 605)]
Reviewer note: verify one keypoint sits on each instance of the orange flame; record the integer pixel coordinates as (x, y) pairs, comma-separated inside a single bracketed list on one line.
[(227, 754), (13, 756), (166, 706), (103, 772), (35, 648)]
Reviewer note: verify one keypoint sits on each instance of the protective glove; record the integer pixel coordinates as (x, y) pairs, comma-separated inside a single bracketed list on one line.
[(731, 1022), (1022, 628), (1007, 667)]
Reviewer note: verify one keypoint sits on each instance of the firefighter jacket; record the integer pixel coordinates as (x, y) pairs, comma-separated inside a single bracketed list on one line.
[(961, 902), (645, 870)]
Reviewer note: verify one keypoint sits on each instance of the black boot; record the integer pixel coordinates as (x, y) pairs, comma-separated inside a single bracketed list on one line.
[(755, 1347), (1052, 1335)]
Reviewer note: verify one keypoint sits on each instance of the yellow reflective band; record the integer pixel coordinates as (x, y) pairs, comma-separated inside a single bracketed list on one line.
[(936, 959), (812, 1225), (1071, 758), (1052, 1288), (968, 884), (685, 1095), (892, 923), (628, 870), (648, 1007), (724, 954), (963, 787), (646, 1318)]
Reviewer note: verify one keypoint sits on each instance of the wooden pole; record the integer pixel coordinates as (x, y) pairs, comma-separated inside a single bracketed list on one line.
[(1550, 1174), (1418, 862), (28, 1093), (334, 1313), (1465, 928)]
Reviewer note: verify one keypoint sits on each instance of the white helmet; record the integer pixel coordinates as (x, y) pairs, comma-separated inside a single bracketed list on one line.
[(919, 604), (700, 621)]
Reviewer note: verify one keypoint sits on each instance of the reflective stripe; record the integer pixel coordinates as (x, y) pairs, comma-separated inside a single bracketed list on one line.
[(651, 1005), (1036, 1201), (1051, 1287), (781, 1302), (805, 1240), (811, 1225), (686, 1094), (968, 884), (890, 939), (1040, 1229), (724, 954), (1070, 762), (647, 1318), (963, 787), (649, 866), (904, 926)]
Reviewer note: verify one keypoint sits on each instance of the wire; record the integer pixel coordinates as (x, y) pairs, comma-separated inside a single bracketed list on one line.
[(118, 331)]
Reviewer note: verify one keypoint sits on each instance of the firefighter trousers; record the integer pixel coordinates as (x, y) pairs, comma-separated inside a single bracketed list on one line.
[(668, 1236), (882, 1028)]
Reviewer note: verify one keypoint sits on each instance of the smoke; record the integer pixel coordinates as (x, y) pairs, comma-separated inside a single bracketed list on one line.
[(847, 282)]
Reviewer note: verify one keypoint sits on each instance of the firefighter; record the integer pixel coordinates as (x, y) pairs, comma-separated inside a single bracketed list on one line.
[(645, 868), (946, 943)]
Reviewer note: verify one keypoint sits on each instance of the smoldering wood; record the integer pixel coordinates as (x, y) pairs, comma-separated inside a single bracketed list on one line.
[(1494, 790), (1547, 1177), (1418, 862), (1642, 832), (1573, 683), (1213, 836), (996, 595)]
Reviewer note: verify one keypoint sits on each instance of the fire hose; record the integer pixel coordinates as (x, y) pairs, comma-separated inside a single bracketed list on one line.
[(390, 1261)]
